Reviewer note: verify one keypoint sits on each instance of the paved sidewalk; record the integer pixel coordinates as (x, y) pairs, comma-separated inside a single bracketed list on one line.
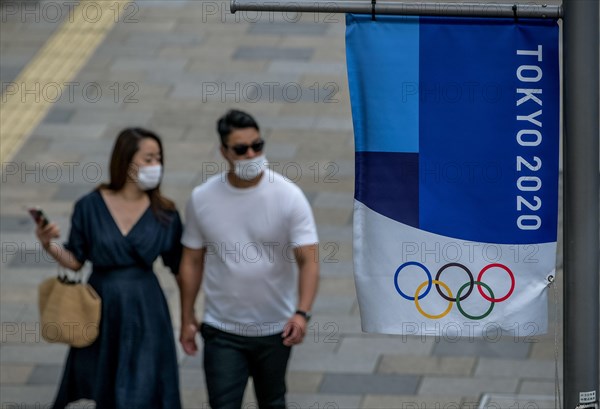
[(175, 67)]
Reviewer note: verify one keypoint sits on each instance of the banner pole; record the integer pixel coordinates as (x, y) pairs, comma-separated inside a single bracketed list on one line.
[(581, 237), (394, 7)]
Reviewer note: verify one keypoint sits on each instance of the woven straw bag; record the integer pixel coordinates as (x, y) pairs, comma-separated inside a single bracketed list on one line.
[(69, 311)]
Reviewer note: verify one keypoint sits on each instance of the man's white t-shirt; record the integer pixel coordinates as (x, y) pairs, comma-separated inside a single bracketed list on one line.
[(250, 274)]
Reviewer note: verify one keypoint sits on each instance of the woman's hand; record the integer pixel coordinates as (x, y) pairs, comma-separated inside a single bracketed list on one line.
[(64, 257), (45, 234)]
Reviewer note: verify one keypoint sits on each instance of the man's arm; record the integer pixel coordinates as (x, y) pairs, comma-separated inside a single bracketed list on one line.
[(307, 258), (189, 280)]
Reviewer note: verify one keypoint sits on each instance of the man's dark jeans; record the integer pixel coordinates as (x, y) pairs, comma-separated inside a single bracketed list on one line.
[(230, 359)]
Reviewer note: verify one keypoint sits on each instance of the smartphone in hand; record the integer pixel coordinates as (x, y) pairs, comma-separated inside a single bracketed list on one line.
[(38, 215)]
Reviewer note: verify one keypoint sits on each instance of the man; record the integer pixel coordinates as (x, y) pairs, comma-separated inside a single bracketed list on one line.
[(251, 240)]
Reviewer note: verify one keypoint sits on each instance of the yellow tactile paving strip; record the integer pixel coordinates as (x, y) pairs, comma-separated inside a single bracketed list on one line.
[(55, 65)]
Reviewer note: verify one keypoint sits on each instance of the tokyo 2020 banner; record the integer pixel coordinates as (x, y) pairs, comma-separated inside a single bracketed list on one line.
[(456, 124)]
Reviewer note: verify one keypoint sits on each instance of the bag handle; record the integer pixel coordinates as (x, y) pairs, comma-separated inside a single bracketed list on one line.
[(67, 276)]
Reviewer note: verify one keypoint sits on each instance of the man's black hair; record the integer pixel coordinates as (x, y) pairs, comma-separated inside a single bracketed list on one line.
[(233, 120)]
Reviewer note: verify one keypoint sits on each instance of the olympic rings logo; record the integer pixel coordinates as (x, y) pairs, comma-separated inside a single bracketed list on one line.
[(448, 296)]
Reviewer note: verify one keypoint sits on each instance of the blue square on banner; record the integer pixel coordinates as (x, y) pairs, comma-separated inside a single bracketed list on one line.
[(386, 67)]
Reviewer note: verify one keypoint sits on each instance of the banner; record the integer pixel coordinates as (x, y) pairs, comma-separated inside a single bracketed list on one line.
[(456, 124)]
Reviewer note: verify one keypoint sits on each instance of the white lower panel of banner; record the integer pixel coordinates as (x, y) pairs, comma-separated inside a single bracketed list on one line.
[(408, 281)]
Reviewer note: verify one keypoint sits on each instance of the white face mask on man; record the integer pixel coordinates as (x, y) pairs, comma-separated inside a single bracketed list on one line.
[(248, 169), (149, 177)]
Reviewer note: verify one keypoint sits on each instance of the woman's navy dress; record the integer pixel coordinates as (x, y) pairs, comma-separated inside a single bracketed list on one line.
[(133, 363)]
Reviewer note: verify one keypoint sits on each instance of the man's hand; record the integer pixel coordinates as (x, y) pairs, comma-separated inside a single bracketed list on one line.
[(189, 280), (187, 338), (294, 330)]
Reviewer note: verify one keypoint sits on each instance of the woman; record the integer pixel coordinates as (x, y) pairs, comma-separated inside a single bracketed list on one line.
[(121, 228)]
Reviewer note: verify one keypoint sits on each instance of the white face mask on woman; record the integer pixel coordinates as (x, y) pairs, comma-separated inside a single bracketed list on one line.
[(149, 177), (248, 169)]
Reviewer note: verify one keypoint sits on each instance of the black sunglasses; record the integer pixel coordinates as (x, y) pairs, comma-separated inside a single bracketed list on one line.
[(241, 149)]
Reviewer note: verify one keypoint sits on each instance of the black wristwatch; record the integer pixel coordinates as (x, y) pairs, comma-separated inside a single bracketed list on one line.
[(305, 314)]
